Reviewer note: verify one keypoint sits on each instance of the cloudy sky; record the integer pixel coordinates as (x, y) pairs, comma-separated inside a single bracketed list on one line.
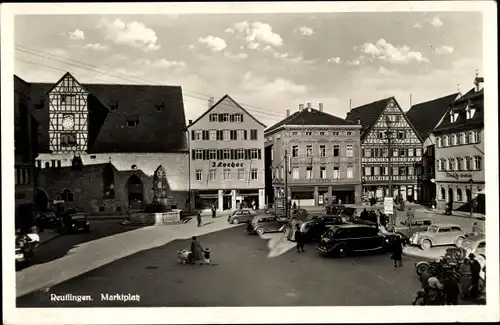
[(266, 62)]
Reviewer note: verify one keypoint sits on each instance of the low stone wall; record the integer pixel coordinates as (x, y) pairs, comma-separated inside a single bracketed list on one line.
[(156, 219)]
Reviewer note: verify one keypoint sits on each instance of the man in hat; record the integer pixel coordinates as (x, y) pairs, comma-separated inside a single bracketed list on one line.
[(475, 271)]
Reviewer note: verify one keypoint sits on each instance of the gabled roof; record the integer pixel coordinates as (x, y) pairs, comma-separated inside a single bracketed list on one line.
[(425, 116), (218, 102), (368, 114), (156, 131), (462, 123), (310, 117)]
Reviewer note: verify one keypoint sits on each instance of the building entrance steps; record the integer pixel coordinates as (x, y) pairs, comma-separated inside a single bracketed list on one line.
[(91, 255)]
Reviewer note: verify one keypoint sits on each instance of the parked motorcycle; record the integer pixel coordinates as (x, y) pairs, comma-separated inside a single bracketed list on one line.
[(25, 247), (436, 268), (419, 299)]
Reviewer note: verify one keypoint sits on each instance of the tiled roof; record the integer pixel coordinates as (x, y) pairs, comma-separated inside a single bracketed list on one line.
[(368, 114), (156, 131), (310, 117), (474, 97), (425, 116)]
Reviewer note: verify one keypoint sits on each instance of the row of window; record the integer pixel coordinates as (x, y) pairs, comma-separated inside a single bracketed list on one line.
[(396, 152), (225, 117), (22, 175), (461, 138), (323, 173), (228, 174), (223, 135), (312, 133), (385, 170), (401, 134), (226, 154), (460, 163), (458, 197), (469, 113), (349, 151)]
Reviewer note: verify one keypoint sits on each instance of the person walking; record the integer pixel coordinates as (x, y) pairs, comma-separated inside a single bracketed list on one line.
[(475, 271), (299, 239), (476, 228), (465, 278), (364, 214), (410, 216), (397, 251), (196, 251), (198, 218), (213, 211)]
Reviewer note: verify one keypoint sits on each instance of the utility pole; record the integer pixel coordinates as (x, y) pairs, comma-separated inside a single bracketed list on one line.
[(286, 184)]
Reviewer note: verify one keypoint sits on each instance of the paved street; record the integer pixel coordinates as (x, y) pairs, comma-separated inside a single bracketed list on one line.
[(243, 273)]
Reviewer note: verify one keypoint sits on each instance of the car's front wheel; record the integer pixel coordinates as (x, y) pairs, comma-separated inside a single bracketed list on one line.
[(426, 244), (341, 250), (235, 221), (260, 231), (458, 241)]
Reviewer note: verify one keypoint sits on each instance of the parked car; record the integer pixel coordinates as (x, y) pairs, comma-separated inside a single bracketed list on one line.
[(406, 230), (348, 212), (79, 222), (314, 227), (240, 215), (298, 215), (265, 223), (437, 235), (475, 244), (349, 238), (334, 208)]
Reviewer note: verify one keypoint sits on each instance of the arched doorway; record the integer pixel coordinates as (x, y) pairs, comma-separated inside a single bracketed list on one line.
[(41, 200), (135, 191), (450, 195)]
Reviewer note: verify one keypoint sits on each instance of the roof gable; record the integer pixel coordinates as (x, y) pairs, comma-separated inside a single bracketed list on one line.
[(232, 102), (368, 114)]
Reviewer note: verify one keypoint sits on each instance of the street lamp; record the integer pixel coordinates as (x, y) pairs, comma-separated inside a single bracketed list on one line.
[(471, 181)]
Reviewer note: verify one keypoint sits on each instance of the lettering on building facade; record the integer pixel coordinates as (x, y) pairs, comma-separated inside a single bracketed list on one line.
[(221, 164)]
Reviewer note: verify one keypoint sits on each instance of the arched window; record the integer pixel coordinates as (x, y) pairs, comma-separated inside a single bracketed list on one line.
[(160, 185), (108, 177), (443, 193), (445, 141), (459, 195), (462, 138), (67, 196)]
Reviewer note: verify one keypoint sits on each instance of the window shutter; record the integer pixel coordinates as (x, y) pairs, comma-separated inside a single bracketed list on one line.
[(260, 154), (245, 135), (241, 117), (218, 154), (192, 134), (247, 154), (193, 156), (231, 118), (204, 156)]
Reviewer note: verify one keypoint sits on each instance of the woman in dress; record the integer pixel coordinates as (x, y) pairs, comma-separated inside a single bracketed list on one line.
[(397, 251)]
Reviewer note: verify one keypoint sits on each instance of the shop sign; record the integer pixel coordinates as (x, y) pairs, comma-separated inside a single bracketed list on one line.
[(457, 175), (388, 205), (231, 164)]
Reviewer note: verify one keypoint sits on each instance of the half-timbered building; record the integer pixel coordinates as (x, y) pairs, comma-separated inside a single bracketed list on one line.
[(460, 153), (391, 150), (323, 153), (108, 148), (227, 160)]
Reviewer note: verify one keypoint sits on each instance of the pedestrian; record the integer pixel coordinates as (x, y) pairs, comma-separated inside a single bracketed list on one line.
[(196, 251), (294, 206), (397, 251), (434, 292), (364, 214), (450, 288), (434, 203), (299, 239), (476, 228), (198, 218), (475, 271), (465, 278), (213, 211), (410, 216)]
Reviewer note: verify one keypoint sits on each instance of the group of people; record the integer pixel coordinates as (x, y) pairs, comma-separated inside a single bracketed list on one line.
[(198, 254), (450, 289)]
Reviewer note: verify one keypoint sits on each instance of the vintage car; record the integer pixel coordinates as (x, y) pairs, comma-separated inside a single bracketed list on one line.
[(266, 223), (437, 235), (406, 229), (474, 243), (348, 212), (314, 227), (240, 215), (351, 238), (334, 208)]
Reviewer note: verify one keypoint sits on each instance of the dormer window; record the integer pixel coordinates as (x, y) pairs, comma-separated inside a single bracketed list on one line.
[(453, 116), (113, 106), (131, 123), (470, 111), (160, 107)]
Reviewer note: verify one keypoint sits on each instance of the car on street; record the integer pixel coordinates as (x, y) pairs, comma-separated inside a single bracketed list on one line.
[(314, 227), (240, 215), (406, 229), (266, 223), (351, 238), (334, 208), (475, 244), (348, 212), (438, 235)]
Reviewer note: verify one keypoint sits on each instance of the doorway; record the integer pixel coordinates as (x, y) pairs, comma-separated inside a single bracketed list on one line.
[(41, 200), (135, 191)]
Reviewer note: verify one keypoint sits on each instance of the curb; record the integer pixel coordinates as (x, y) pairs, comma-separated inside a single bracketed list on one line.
[(452, 215), (49, 239)]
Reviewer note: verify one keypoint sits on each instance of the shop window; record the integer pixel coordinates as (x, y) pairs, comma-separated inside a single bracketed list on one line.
[(67, 196), (459, 195), (443, 193)]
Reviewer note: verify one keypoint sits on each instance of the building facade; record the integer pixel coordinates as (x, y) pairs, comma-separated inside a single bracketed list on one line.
[(323, 158), (424, 117), (391, 150), (460, 154), (110, 148), (25, 150), (227, 157)]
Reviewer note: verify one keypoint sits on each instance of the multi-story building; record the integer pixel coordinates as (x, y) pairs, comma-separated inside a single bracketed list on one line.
[(391, 149), (323, 153), (460, 153), (25, 151), (107, 148), (424, 117), (227, 161)]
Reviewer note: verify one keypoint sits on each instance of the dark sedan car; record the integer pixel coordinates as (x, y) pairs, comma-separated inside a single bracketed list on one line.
[(266, 223), (334, 208), (314, 227), (350, 238), (241, 215)]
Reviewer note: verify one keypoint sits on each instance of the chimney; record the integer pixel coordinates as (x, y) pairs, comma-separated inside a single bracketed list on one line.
[(287, 113), (301, 107), (211, 102), (359, 121), (350, 104), (309, 107), (190, 122), (410, 100), (320, 107), (478, 81)]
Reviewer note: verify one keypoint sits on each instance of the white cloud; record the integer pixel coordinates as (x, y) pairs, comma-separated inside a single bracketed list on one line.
[(192, 47), (253, 45), (160, 63), (444, 50), (215, 44), (251, 83), (238, 56), (335, 60), (77, 35), (134, 33), (436, 22), (385, 51), (229, 30), (258, 32), (96, 47), (418, 26), (354, 62), (304, 30)]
